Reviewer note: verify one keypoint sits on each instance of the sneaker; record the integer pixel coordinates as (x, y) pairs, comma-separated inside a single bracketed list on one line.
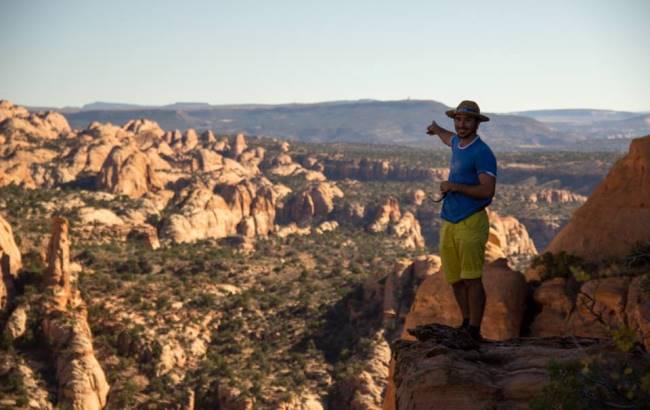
[(475, 333)]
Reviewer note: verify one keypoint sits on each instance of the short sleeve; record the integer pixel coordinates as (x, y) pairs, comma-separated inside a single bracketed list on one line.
[(486, 162)]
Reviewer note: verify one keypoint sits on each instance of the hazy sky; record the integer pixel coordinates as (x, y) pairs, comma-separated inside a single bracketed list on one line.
[(507, 55)]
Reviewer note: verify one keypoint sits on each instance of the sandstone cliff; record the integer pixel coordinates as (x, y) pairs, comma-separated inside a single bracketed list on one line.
[(617, 215)]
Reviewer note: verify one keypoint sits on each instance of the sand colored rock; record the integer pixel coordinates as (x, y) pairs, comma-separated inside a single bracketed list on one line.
[(128, 171), (291, 229), (99, 216), (144, 125), (205, 160), (315, 201), (58, 274), (19, 124), (554, 196), (387, 212), (10, 257), (417, 197), (239, 146), (507, 233), (408, 229), (208, 137), (617, 214), (327, 226), (8, 110), (17, 323), (81, 380), (200, 214)]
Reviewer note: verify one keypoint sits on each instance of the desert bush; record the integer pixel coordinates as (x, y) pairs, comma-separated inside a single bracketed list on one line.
[(563, 265), (615, 380)]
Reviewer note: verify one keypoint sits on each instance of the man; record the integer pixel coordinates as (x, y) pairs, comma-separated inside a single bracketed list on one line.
[(465, 226)]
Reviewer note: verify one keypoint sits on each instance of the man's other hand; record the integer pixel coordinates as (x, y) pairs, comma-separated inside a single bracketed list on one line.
[(445, 186)]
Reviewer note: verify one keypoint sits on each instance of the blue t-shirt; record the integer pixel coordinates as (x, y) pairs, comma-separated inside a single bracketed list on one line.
[(466, 164)]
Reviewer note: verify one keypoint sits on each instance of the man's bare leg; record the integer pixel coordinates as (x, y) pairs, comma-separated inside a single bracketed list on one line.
[(476, 296), (462, 298)]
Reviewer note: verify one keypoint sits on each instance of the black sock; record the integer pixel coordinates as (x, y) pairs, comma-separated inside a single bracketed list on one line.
[(474, 331)]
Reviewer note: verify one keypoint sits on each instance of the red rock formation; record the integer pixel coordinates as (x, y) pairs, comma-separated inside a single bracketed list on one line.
[(431, 375), (601, 306), (617, 215), (506, 295)]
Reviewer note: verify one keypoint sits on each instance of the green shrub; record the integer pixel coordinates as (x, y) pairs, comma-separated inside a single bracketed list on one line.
[(563, 265)]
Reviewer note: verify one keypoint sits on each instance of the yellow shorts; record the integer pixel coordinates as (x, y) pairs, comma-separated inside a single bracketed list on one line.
[(462, 247)]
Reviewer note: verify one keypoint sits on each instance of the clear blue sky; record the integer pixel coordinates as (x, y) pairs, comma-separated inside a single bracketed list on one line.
[(507, 55)]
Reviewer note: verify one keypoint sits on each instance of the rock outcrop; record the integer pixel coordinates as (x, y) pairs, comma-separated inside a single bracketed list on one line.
[(387, 216), (19, 124), (239, 146), (9, 252), (508, 237), (617, 215), (128, 171), (364, 390), (442, 369), (316, 201), (387, 212), (554, 196), (10, 263), (599, 307), (81, 380), (247, 208)]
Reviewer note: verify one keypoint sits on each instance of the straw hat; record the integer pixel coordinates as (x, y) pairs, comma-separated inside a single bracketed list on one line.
[(469, 108)]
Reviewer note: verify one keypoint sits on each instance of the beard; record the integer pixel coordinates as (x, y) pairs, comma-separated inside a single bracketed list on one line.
[(466, 132)]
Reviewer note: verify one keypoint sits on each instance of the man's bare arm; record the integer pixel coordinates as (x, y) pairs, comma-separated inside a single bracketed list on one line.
[(485, 188), (445, 135)]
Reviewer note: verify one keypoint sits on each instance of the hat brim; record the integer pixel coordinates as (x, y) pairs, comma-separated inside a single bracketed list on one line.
[(480, 117)]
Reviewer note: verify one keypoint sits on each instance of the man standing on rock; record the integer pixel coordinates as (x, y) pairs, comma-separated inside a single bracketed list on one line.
[(465, 226)]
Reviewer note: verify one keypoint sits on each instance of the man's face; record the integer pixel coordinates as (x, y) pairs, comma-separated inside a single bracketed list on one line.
[(465, 125)]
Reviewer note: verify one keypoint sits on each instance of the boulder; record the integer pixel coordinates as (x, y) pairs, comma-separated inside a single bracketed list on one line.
[(505, 291)]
